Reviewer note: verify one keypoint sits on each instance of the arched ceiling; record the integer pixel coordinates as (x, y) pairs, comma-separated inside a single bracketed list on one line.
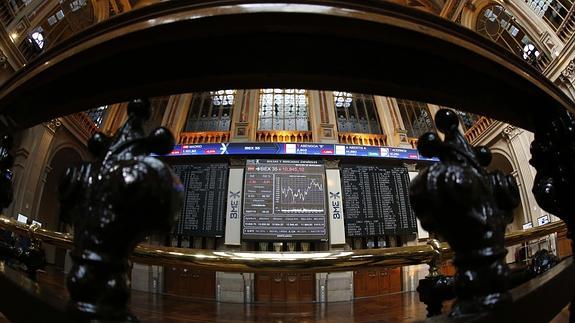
[(369, 47)]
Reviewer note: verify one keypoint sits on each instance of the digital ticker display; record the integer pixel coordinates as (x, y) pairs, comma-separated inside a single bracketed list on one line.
[(297, 149), (204, 204), (376, 201), (284, 200)]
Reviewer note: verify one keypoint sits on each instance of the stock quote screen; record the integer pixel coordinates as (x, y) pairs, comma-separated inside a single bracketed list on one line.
[(205, 188), (284, 200), (376, 201)]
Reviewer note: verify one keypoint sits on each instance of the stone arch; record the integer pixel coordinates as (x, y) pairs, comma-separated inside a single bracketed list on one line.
[(501, 161), (49, 206), (77, 148)]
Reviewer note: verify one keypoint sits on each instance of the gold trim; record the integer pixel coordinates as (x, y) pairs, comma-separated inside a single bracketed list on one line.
[(250, 261)]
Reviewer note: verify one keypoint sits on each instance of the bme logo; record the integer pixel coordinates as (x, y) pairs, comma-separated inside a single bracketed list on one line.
[(235, 195), (234, 204), (335, 205)]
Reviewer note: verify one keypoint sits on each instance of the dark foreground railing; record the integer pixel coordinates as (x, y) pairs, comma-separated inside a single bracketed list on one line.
[(126, 194)]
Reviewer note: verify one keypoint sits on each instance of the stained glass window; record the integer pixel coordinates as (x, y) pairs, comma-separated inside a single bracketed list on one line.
[(356, 113), (416, 117), (210, 111), (283, 109)]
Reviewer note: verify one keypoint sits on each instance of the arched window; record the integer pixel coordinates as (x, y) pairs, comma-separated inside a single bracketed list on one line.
[(210, 111), (416, 117), (499, 25), (283, 109), (356, 113)]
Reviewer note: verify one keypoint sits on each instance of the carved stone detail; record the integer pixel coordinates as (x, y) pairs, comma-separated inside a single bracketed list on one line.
[(114, 203), (332, 164), (53, 124), (511, 132), (468, 206), (568, 74)]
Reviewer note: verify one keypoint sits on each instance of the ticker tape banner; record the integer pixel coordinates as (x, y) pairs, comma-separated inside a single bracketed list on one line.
[(297, 149)]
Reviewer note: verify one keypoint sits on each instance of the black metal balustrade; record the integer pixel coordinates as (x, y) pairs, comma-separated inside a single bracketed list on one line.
[(112, 202)]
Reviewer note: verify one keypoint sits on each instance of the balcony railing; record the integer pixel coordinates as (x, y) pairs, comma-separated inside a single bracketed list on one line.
[(471, 134), (204, 137), (84, 122), (283, 136), (478, 128), (365, 139), (565, 30), (255, 261)]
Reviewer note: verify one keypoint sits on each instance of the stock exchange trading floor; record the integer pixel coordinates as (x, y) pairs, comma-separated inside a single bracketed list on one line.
[(398, 307)]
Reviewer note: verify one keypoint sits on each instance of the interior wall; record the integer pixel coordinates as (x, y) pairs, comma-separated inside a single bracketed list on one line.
[(49, 208), (501, 163)]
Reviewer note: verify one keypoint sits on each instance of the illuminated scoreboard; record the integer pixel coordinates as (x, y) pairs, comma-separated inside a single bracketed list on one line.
[(284, 200)]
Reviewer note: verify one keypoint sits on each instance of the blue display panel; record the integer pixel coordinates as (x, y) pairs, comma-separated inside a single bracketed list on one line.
[(297, 149)]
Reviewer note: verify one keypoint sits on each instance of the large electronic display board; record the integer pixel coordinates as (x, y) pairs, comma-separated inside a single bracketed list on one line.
[(284, 200), (205, 188), (376, 201)]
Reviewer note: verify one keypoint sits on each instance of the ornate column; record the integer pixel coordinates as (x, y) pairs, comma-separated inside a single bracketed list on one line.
[(115, 117), (567, 78), (31, 161), (327, 126), (239, 129), (391, 122), (249, 117), (518, 140), (176, 113)]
